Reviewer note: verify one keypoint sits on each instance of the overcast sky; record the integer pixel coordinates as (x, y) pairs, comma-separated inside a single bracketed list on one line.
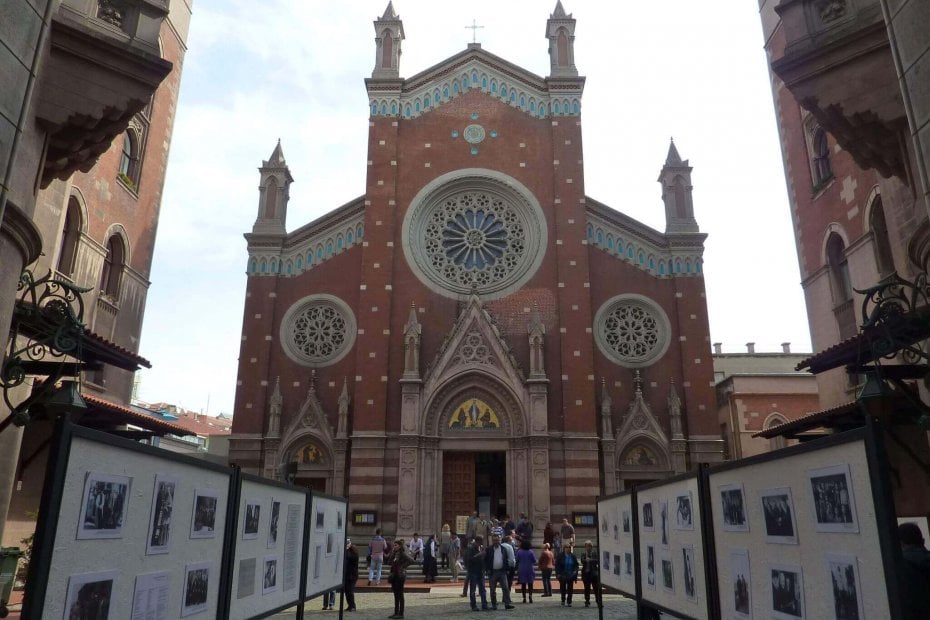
[(294, 70)]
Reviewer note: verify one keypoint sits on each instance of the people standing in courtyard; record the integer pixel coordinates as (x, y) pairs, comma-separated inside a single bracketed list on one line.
[(483, 528), (916, 573), (512, 570), (526, 569), (429, 560), (548, 535), (590, 574), (415, 547), (445, 538), (397, 576), (474, 563), (350, 574), (376, 550), (471, 527), (498, 560), (524, 530), (455, 555), (567, 532), (566, 570), (546, 564)]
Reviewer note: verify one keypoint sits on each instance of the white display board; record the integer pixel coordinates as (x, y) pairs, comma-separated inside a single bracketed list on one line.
[(268, 548), (326, 539), (616, 542), (139, 527), (796, 535), (671, 552)]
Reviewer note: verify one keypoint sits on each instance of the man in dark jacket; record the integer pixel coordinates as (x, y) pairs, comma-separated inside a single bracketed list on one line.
[(590, 574), (566, 570), (916, 571), (474, 563)]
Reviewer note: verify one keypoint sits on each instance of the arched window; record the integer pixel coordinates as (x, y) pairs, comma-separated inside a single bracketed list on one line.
[(129, 159), (884, 259), (387, 50), (562, 60), (271, 199), (777, 442), (822, 170), (839, 269), (113, 264), (254, 266), (69, 238)]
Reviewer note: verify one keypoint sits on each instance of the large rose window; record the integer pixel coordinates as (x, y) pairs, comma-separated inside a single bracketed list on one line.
[(632, 330), (318, 330), (474, 233)]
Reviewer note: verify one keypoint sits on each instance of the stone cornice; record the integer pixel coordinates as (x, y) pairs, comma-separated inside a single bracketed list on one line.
[(18, 227)]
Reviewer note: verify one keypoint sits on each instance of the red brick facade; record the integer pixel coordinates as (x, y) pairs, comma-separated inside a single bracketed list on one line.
[(380, 414)]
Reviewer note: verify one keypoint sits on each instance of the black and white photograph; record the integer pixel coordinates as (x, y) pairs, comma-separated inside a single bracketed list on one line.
[(160, 519), (832, 499), (246, 586), (628, 564), (605, 563), (648, 523), (684, 517), (273, 523), (651, 566), (339, 521), (270, 574), (104, 506), (667, 574), (689, 579), (740, 584), (317, 562), (844, 582), (663, 521), (616, 564), (320, 520), (616, 528), (733, 508), (626, 521), (196, 588), (253, 516), (787, 592), (330, 544), (778, 512), (89, 596), (203, 521)]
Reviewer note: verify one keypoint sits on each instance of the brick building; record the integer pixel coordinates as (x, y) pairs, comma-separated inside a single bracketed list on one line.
[(474, 331), (87, 186), (852, 104)]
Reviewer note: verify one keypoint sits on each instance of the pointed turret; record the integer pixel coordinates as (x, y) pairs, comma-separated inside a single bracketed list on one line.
[(560, 30), (606, 412), (674, 412), (389, 32), (274, 193), (676, 193), (342, 424), (412, 331), (274, 409), (537, 335)]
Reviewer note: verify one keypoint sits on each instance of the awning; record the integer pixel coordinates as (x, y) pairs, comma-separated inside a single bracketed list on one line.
[(103, 415), (843, 417), (872, 343)]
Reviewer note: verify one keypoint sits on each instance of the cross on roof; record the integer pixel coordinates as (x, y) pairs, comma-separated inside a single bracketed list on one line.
[(474, 30)]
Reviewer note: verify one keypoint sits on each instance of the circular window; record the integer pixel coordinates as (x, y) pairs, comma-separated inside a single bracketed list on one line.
[(474, 230), (318, 330), (632, 330)]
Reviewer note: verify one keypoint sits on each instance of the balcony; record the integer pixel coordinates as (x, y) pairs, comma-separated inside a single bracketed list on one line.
[(103, 67), (838, 65)]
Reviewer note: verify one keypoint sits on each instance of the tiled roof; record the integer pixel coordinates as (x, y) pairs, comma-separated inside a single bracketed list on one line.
[(122, 414)]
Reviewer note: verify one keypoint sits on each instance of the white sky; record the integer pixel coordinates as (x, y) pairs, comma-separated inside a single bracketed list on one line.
[(294, 70)]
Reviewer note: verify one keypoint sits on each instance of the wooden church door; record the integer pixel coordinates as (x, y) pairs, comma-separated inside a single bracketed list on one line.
[(458, 485)]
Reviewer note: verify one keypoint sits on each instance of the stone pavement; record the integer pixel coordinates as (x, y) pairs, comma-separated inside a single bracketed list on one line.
[(445, 602)]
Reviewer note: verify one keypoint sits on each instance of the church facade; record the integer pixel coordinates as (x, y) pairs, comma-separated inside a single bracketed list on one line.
[(474, 331)]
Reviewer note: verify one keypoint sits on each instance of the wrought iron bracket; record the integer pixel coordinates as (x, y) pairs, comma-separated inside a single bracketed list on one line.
[(47, 331)]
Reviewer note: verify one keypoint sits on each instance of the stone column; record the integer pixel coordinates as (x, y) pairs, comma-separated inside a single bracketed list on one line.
[(429, 501), (407, 486), (540, 503), (340, 448)]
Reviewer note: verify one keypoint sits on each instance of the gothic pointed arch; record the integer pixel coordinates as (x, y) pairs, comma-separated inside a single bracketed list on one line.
[(642, 444), (309, 427), (474, 362)]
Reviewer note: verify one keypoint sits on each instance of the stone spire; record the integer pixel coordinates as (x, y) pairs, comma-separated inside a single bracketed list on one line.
[(537, 336), (412, 333), (274, 409), (342, 426), (560, 30), (389, 33), (676, 193), (274, 192), (607, 431), (674, 412)]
